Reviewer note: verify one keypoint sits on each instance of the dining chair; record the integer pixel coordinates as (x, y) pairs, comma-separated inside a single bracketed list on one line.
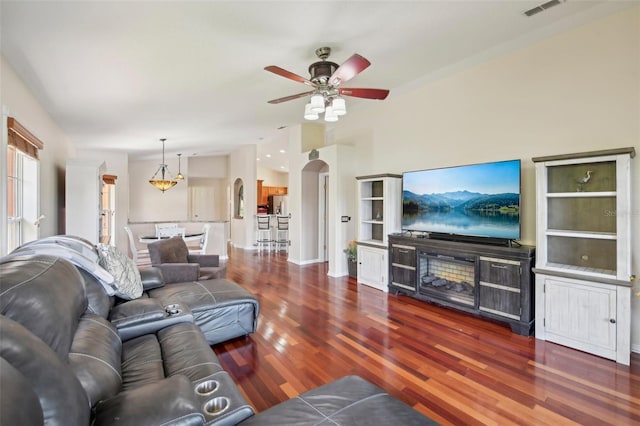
[(171, 232), (203, 241), (160, 227), (139, 256)]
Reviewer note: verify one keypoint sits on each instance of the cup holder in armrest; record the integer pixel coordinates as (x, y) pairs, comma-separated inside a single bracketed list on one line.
[(207, 387), (221, 400), (173, 309), (217, 405)]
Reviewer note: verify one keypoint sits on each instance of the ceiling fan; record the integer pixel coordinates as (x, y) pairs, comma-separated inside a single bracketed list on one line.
[(325, 79)]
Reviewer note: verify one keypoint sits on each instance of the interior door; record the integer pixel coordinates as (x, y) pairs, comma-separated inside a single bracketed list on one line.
[(201, 203)]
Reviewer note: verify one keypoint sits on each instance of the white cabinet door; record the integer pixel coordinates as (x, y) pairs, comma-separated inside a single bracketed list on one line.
[(581, 316), (372, 267)]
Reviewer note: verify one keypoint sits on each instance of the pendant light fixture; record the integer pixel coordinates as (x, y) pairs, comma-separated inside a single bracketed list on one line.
[(179, 176), (167, 180)]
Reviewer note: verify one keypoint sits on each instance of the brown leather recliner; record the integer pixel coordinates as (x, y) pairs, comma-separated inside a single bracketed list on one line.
[(177, 265)]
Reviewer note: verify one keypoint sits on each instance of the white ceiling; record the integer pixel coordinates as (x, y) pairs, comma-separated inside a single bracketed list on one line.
[(121, 74)]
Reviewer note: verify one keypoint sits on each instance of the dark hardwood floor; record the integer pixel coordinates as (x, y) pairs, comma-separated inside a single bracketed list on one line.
[(453, 367)]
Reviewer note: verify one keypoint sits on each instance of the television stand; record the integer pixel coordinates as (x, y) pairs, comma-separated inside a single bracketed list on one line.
[(489, 281)]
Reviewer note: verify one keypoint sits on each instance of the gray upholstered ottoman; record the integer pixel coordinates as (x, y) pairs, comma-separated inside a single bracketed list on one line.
[(349, 401), (221, 308)]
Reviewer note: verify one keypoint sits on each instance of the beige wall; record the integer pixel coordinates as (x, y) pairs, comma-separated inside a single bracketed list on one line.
[(577, 91), (273, 178), (574, 92), (146, 203), (17, 101)]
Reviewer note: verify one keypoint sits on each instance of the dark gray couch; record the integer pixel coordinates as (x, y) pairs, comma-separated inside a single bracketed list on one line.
[(65, 365), (66, 362), (222, 309)]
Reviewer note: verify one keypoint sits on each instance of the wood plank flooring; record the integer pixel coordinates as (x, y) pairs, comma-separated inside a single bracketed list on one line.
[(453, 367)]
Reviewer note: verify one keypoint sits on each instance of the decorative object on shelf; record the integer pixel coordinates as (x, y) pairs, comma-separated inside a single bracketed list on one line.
[(325, 78), (179, 176), (584, 180), (167, 180), (378, 216)]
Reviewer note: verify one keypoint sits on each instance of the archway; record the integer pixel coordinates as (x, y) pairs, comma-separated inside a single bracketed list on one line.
[(238, 199)]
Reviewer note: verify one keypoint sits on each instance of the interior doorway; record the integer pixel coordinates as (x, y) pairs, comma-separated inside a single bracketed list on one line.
[(315, 236)]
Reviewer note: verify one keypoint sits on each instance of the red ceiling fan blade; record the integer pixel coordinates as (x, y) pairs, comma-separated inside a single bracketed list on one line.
[(365, 93), (349, 69), (288, 74), (290, 98)]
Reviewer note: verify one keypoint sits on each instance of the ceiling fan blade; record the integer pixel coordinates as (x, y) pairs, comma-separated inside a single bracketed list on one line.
[(288, 74), (365, 93), (349, 69), (290, 98)]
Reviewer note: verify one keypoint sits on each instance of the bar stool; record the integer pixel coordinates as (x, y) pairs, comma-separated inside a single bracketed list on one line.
[(282, 233), (263, 234)]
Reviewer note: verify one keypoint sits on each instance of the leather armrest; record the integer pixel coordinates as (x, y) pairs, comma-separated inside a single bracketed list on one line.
[(169, 401), (136, 312), (151, 278), (205, 259), (146, 316), (179, 272)]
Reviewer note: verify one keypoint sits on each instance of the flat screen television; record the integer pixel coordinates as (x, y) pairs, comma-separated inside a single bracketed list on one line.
[(476, 200)]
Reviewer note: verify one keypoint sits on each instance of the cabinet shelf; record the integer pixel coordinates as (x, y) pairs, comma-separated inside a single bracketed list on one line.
[(581, 194), (561, 267), (581, 234)]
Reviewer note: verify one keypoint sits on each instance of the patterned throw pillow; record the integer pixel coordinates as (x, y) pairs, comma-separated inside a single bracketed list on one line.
[(127, 283)]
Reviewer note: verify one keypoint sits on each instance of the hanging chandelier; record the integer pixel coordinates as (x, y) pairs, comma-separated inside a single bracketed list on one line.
[(179, 176), (167, 180)]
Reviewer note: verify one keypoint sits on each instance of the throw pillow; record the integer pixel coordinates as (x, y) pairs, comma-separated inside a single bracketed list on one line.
[(127, 283)]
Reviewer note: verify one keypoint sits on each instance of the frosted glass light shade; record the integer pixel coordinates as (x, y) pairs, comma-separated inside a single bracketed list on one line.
[(339, 106), (329, 115), (317, 103), (308, 114)]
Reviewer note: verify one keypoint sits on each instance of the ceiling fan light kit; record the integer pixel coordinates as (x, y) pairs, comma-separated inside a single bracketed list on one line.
[(317, 103), (330, 115), (339, 106), (325, 78), (309, 114)]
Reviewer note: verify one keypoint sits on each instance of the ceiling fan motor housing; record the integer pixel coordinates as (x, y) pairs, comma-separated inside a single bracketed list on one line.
[(321, 71)]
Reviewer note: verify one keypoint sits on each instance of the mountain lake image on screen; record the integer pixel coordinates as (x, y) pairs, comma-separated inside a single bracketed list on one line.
[(478, 200)]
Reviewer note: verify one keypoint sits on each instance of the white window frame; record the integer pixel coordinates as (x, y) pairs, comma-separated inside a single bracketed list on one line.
[(24, 225)]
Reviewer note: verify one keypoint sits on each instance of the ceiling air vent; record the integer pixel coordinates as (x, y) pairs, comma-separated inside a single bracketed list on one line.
[(543, 7)]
